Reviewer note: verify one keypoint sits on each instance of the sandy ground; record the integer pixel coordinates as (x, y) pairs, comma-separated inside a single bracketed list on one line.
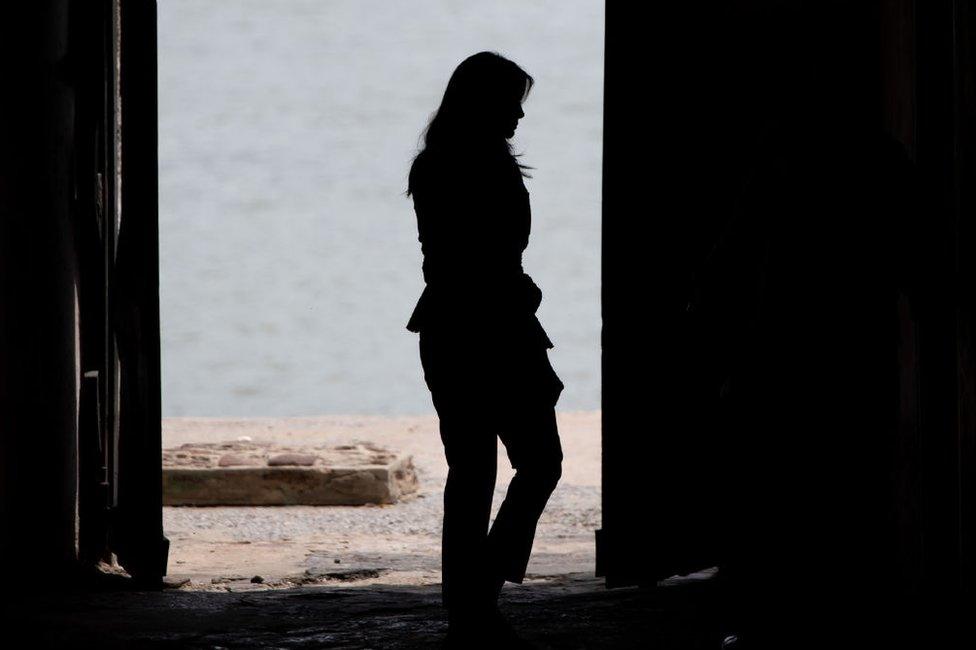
[(223, 548)]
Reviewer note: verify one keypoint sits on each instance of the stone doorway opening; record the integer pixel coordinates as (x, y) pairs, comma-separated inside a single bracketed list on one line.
[(289, 263)]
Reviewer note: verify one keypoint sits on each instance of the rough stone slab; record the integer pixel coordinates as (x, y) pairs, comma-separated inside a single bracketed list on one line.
[(246, 473)]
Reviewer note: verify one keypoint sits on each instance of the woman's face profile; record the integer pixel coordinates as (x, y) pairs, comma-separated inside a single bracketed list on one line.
[(501, 118), (512, 117), (506, 116)]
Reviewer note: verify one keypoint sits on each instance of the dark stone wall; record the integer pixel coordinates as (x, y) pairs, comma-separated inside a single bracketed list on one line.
[(38, 288), (696, 99)]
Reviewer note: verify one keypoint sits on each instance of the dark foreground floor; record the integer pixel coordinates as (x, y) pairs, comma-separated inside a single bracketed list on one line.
[(571, 611)]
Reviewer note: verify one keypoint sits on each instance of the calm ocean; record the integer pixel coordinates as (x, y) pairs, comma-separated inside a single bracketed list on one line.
[(289, 253)]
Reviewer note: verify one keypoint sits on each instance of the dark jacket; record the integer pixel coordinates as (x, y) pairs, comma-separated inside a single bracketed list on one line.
[(473, 220)]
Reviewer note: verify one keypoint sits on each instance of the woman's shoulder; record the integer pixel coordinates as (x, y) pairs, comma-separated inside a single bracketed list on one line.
[(453, 170), (441, 170), (429, 168)]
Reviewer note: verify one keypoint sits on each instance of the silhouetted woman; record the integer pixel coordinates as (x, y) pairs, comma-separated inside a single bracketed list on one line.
[(483, 351)]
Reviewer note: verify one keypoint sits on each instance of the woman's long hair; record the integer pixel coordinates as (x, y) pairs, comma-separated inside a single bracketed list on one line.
[(481, 88)]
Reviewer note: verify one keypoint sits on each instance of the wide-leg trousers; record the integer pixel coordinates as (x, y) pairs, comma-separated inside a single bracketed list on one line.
[(478, 404)]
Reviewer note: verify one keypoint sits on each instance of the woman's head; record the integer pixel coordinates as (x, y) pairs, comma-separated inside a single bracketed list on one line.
[(480, 109), (482, 102)]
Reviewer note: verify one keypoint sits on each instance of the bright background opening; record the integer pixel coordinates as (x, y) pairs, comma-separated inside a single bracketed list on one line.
[(289, 260)]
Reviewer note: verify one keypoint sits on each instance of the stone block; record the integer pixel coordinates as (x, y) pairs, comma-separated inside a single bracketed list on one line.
[(245, 473)]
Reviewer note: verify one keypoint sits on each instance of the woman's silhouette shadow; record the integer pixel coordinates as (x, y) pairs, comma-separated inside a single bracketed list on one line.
[(483, 351)]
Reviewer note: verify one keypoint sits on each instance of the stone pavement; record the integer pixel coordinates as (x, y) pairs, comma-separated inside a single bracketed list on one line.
[(570, 612)]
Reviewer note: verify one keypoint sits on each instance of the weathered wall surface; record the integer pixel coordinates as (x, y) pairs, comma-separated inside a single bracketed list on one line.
[(38, 323)]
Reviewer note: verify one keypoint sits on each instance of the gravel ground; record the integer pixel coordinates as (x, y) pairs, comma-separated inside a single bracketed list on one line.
[(223, 548)]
